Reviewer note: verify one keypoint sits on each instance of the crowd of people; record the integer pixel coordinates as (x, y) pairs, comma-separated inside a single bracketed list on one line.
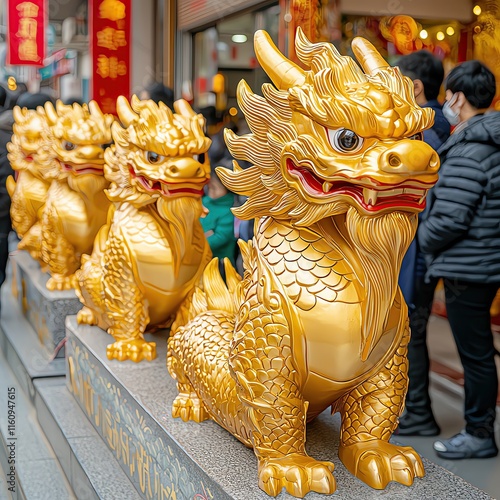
[(458, 239)]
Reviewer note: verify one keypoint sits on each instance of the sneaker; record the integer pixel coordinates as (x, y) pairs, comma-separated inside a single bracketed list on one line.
[(465, 445), (413, 425)]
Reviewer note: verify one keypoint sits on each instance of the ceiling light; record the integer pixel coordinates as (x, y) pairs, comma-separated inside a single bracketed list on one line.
[(450, 31), (239, 38), (423, 34), (440, 35), (476, 10)]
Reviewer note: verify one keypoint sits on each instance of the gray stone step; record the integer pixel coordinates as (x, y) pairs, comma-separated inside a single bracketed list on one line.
[(44, 309), (89, 465), (37, 475), (129, 405), (22, 348)]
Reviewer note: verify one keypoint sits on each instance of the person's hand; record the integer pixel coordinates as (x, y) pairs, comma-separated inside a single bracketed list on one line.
[(204, 212), (209, 233)]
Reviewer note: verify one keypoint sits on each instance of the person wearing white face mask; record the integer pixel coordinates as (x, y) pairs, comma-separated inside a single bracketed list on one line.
[(460, 235)]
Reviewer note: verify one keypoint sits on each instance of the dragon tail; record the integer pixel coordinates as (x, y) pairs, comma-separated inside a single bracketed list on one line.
[(212, 294)]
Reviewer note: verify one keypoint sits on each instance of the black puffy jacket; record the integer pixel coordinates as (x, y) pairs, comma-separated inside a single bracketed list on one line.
[(461, 227), (6, 121)]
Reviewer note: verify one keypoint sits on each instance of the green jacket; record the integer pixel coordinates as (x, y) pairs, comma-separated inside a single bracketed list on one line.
[(220, 220)]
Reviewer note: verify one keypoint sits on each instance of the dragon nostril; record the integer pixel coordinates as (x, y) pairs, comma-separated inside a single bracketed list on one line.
[(174, 170), (394, 160), (199, 172), (434, 161)]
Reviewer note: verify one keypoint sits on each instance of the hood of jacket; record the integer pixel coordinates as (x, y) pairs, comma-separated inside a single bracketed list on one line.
[(484, 129)]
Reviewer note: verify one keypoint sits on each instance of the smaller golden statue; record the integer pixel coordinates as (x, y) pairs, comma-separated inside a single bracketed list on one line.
[(31, 155), (76, 205), (149, 256), (318, 321)]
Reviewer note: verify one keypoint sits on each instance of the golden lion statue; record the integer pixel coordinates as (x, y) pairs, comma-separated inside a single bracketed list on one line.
[(31, 155), (318, 320), (152, 252), (76, 205)]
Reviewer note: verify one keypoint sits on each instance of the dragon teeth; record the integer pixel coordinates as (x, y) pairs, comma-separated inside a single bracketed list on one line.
[(327, 186), (370, 196)]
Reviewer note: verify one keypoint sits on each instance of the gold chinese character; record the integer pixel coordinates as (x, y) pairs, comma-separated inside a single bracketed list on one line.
[(112, 10), (103, 66), (28, 9), (120, 39), (28, 50), (122, 68), (27, 28), (105, 38), (111, 39)]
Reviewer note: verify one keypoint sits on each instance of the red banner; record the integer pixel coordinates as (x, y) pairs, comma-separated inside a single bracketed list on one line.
[(27, 23), (110, 49)]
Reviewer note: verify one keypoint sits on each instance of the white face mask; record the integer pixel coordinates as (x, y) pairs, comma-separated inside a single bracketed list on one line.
[(453, 117)]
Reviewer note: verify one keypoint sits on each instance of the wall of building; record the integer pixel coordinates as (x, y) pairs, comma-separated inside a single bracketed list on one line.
[(143, 29)]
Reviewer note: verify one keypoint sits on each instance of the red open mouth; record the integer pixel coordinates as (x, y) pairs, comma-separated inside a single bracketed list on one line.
[(166, 188), (81, 169), (28, 158), (373, 198)]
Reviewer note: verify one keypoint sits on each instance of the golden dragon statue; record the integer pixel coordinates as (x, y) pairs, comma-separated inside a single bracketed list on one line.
[(318, 320), (152, 252), (32, 157), (76, 206)]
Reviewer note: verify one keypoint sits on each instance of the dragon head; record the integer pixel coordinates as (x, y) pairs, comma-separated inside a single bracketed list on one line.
[(332, 137), (154, 159), (30, 148), (338, 146), (80, 135)]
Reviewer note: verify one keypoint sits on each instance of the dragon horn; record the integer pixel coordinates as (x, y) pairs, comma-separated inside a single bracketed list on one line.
[(125, 112), (95, 109), (182, 107), (51, 113), (17, 114), (367, 55), (283, 72)]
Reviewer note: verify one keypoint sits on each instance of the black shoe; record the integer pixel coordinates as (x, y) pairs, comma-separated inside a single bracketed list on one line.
[(415, 425), (465, 445)]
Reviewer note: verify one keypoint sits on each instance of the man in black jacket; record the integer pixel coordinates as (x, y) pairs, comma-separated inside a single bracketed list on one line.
[(6, 122), (461, 235)]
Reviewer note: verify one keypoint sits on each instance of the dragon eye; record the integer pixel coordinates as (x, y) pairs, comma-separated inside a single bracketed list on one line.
[(153, 157), (69, 146), (344, 140), (417, 137)]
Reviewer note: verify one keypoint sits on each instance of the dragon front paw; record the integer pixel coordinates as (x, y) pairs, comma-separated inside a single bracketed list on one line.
[(59, 283), (189, 407), (86, 316), (299, 474), (133, 349), (377, 463)]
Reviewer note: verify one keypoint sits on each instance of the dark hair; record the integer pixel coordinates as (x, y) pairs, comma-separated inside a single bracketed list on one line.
[(32, 101), (3, 96), (475, 81), (73, 100), (160, 93), (423, 66)]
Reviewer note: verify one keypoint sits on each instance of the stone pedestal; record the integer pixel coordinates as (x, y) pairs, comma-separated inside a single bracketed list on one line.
[(130, 407), (45, 310)]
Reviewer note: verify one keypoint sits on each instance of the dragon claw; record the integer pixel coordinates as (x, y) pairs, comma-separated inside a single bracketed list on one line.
[(377, 463), (298, 474), (86, 316), (189, 407), (135, 350), (59, 283)]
